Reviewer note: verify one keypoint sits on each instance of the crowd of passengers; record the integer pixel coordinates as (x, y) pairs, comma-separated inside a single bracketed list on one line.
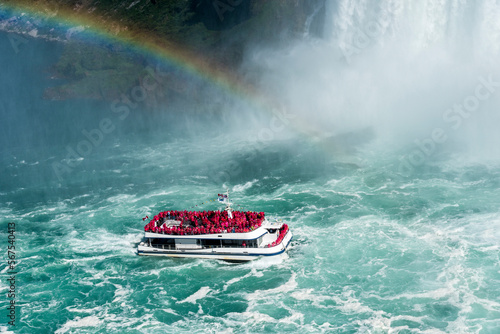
[(205, 222), (282, 232)]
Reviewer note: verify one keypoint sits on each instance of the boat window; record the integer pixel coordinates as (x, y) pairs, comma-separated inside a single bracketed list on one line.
[(162, 241), (210, 243)]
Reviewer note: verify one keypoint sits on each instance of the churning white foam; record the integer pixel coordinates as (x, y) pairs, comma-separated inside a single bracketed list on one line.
[(200, 294)]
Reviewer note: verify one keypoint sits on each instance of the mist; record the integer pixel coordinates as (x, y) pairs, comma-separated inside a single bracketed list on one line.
[(396, 68)]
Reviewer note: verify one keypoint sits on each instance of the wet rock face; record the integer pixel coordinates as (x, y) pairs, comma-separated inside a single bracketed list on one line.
[(192, 22), (221, 14)]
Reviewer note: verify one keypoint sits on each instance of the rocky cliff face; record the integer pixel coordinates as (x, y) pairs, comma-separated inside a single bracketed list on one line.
[(217, 30)]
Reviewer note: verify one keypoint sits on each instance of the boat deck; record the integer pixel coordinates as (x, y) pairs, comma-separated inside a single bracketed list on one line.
[(205, 222)]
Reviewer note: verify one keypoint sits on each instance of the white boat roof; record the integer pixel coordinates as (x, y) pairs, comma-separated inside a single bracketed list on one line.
[(271, 224), (252, 235)]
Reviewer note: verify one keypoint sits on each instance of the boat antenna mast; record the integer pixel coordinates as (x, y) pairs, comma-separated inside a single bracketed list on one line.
[(224, 198)]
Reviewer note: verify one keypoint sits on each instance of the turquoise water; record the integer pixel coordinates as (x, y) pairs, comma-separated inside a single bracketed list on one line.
[(372, 253), (374, 250)]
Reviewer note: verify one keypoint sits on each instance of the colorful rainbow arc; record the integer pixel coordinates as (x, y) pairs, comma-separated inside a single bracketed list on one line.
[(171, 53)]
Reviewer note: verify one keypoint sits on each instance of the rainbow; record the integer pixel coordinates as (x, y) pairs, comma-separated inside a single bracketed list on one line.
[(168, 52)]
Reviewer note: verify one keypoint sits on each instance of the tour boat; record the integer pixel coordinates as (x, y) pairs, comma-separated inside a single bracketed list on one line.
[(225, 235)]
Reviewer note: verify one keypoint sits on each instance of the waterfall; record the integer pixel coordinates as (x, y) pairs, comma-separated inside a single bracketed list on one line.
[(318, 6), (396, 67), (464, 26)]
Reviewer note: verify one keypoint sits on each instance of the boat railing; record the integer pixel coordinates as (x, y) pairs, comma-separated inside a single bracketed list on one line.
[(172, 247), (163, 246), (226, 246)]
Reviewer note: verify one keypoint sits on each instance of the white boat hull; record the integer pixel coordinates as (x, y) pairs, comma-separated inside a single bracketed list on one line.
[(220, 253)]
